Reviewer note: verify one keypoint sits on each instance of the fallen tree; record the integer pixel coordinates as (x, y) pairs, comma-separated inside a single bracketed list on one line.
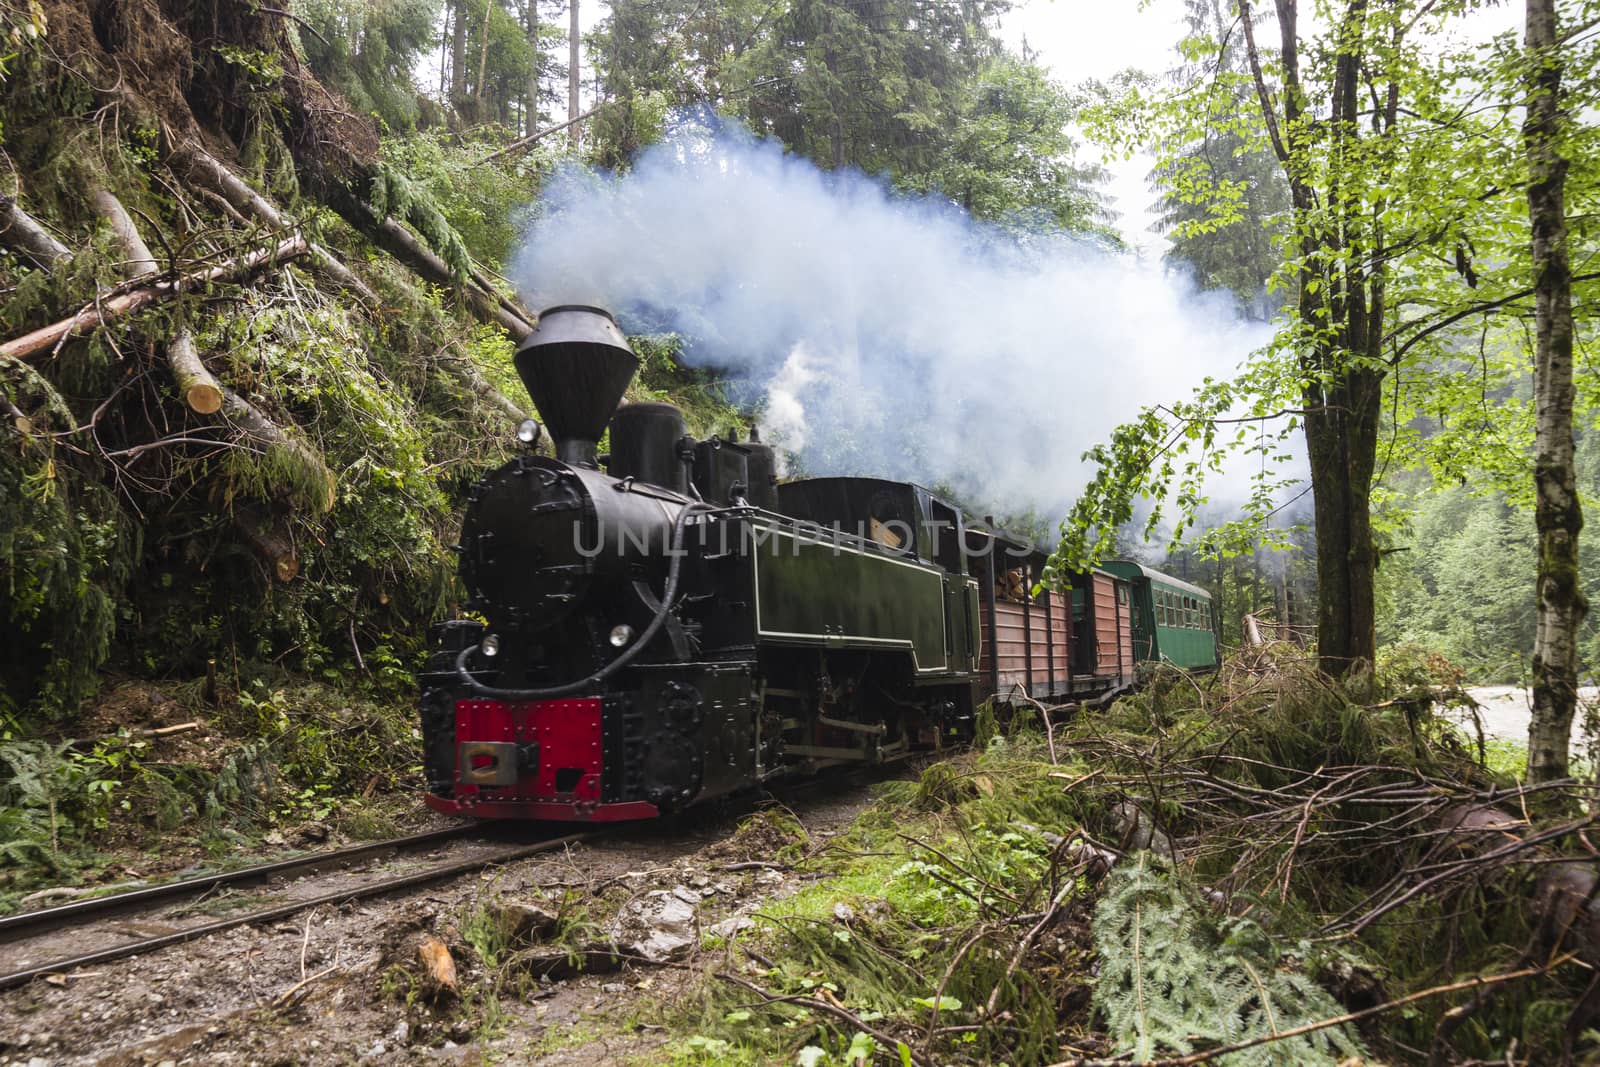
[(22, 232), (196, 386), (200, 166), (136, 296)]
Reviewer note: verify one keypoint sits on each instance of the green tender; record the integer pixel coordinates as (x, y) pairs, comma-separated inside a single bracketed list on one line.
[(816, 592)]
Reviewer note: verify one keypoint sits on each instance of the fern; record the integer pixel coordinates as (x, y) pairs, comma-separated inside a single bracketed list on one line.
[(395, 194), (1173, 979)]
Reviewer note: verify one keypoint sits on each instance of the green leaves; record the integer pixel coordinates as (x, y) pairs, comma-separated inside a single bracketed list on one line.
[(942, 1003)]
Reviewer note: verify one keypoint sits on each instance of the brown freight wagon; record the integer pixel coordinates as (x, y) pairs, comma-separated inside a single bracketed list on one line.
[(1057, 645)]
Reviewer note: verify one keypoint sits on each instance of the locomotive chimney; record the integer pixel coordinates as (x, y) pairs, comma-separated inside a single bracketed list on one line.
[(576, 364)]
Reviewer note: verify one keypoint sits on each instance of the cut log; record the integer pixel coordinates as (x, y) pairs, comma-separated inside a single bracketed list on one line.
[(196, 386), (136, 297), (271, 544), (202, 392), (201, 166), (139, 262), (21, 232)]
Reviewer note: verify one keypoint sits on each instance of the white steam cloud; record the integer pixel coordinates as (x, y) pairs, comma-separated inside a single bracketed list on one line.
[(887, 335)]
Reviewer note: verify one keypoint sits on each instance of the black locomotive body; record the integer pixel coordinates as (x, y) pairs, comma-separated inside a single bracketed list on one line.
[(678, 627)]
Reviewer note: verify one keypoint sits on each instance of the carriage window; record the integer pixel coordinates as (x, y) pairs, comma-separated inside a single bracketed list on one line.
[(1122, 594)]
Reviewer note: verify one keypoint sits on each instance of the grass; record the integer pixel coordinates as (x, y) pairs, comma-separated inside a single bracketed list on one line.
[(912, 897)]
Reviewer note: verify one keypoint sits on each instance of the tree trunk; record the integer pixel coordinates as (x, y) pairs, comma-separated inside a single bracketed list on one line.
[(265, 433), (458, 52), (483, 57), (21, 232), (398, 242), (201, 166), (1557, 514), (572, 77), (139, 262), (530, 125), (1343, 301), (527, 142)]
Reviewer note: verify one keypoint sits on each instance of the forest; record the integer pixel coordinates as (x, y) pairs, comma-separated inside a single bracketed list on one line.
[(264, 273)]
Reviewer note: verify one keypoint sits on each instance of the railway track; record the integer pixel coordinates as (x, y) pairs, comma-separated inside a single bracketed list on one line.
[(31, 931)]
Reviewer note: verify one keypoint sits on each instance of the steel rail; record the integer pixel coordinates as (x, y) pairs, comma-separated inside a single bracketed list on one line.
[(24, 923), (436, 874)]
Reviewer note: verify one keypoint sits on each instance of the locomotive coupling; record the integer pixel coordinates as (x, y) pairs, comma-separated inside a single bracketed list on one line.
[(496, 763)]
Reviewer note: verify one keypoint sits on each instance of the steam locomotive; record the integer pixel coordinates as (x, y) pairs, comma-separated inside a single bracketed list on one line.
[(679, 625)]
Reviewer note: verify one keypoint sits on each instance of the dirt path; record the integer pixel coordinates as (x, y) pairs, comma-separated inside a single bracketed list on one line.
[(337, 985)]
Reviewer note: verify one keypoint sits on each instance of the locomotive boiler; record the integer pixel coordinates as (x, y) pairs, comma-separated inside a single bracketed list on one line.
[(664, 623)]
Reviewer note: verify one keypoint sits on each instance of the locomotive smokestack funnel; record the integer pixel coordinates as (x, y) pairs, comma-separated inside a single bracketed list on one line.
[(576, 364)]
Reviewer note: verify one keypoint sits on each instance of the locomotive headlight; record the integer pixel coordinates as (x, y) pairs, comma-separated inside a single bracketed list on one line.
[(528, 432), (490, 646), (621, 635)]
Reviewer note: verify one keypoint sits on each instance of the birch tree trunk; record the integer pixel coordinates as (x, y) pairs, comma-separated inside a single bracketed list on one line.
[(1557, 514)]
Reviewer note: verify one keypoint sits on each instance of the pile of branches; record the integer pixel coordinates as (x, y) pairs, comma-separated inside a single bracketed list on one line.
[(1374, 830)]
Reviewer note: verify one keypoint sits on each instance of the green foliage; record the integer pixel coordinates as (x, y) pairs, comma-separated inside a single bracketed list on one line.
[(394, 193), (320, 742), (1463, 586), (1388, 218), (367, 51), (1009, 156), (65, 556), (486, 204), (1224, 204), (926, 97), (696, 390), (918, 888), (1174, 979), (1161, 459)]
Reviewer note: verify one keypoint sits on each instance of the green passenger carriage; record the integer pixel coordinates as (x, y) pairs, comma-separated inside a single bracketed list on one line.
[(1172, 619)]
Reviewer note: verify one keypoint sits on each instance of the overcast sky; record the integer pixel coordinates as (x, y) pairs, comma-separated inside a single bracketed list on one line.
[(1082, 39)]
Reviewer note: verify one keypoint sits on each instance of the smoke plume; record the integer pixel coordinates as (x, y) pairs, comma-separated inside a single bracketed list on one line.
[(882, 334)]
